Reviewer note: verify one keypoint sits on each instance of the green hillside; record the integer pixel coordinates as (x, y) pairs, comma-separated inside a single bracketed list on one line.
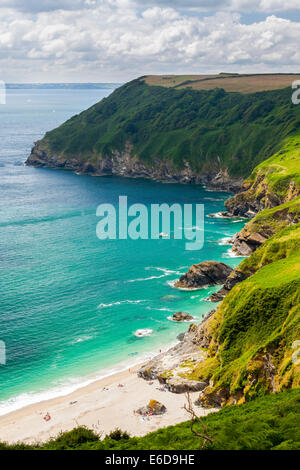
[(210, 129)]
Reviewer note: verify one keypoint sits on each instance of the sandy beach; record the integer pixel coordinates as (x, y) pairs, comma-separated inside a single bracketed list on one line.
[(102, 406)]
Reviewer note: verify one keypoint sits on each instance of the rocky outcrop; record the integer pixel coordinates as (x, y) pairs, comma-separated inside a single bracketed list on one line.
[(126, 163), (208, 273), (170, 365), (182, 385), (221, 180), (254, 197), (258, 195), (261, 374), (212, 398), (154, 407), (234, 278), (256, 232), (181, 316), (246, 242)]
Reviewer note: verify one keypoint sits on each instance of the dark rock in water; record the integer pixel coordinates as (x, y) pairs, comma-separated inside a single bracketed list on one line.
[(217, 296), (220, 214), (208, 273), (181, 316), (154, 407)]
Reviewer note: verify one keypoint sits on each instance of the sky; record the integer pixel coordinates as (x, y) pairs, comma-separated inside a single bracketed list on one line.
[(118, 40)]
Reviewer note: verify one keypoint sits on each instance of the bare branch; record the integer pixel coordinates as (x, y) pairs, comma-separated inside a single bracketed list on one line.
[(194, 418)]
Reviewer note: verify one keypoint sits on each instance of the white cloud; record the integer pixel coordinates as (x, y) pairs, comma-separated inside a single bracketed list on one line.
[(116, 41)]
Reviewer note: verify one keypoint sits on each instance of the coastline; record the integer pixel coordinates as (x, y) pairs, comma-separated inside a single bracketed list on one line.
[(103, 411), (72, 385), (98, 409)]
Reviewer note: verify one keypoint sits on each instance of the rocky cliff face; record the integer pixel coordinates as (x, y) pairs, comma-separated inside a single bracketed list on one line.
[(127, 164), (253, 198), (263, 226), (234, 278), (169, 367), (260, 194)]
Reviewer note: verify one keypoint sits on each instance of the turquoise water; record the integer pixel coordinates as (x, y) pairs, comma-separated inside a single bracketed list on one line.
[(70, 303)]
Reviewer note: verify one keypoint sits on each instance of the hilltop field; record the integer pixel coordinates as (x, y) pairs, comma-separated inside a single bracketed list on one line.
[(229, 82)]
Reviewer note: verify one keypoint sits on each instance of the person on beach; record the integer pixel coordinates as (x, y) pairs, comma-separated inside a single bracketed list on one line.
[(47, 416)]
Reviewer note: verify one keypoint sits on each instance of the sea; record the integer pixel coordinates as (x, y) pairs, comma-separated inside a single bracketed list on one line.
[(74, 308)]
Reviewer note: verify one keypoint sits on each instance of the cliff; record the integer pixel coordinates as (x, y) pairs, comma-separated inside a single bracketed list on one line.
[(172, 134), (273, 182), (248, 346), (245, 347)]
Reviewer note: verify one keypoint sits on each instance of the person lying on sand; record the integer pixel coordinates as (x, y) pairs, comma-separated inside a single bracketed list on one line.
[(47, 416)]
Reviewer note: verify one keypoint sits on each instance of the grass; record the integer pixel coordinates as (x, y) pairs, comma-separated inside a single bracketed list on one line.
[(281, 168), (252, 332), (208, 128), (279, 246)]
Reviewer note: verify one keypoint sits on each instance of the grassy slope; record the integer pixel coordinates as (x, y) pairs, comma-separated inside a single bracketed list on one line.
[(271, 422), (280, 169), (271, 184), (252, 332), (210, 129)]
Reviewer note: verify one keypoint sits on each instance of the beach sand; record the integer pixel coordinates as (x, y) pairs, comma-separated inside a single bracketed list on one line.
[(97, 409)]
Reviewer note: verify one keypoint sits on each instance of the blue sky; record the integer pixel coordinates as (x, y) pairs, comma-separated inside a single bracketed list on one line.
[(117, 40)]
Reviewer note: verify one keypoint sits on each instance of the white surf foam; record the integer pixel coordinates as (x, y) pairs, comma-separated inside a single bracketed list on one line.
[(81, 339), (120, 302), (190, 289), (141, 333), (225, 241), (160, 309), (231, 254), (183, 321)]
